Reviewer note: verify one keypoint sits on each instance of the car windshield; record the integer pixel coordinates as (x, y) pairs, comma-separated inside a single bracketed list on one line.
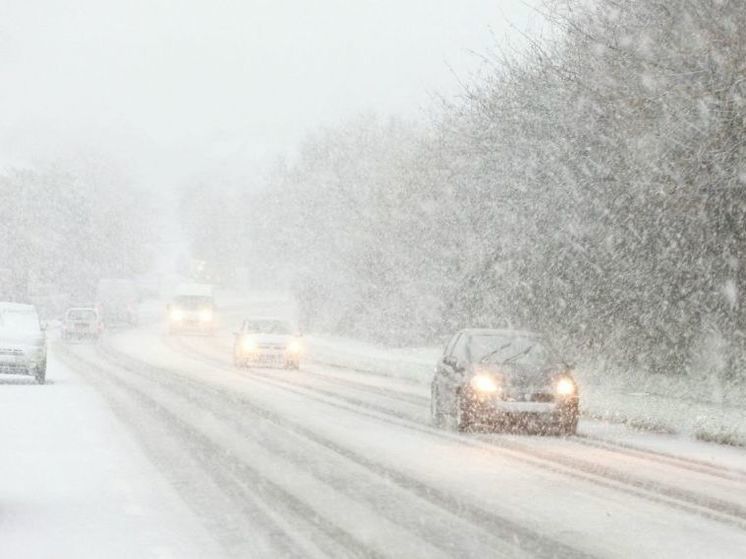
[(492, 348), (191, 302), (20, 321), (81, 314), (268, 327)]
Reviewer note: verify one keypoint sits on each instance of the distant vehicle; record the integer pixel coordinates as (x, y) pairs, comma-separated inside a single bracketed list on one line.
[(82, 323), (267, 342), (503, 378), (192, 309), (116, 301), (23, 343)]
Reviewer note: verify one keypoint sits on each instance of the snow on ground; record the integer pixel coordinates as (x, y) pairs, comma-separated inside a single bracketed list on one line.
[(571, 492), (73, 483), (672, 405), (660, 407)]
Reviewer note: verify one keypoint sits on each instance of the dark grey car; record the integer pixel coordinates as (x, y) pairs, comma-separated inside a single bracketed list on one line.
[(503, 378)]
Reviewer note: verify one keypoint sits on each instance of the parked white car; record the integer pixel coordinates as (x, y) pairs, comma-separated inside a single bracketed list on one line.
[(23, 342)]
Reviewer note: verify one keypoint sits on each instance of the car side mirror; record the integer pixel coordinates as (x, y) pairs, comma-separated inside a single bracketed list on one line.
[(452, 361)]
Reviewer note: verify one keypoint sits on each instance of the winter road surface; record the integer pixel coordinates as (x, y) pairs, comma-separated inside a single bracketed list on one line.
[(149, 445)]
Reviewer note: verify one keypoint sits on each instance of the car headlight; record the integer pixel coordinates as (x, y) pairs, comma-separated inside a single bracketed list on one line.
[(565, 387), (248, 344), (485, 384), (294, 346), (177, 315), (205, 315)]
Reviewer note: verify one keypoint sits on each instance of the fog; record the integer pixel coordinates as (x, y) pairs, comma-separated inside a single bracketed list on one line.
[(395, 278), (168, 89)]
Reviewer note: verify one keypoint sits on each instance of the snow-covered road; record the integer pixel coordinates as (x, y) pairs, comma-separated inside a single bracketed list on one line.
[(329, 462)]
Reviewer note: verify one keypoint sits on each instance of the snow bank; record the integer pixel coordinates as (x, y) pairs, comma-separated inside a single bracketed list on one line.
[(74, 483)]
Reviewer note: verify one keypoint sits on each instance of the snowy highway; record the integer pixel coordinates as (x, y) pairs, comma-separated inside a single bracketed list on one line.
[(373, 279), (331, 462)]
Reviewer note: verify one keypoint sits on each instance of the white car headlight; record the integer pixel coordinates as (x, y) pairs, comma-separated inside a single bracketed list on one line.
[(485, 384), (177, 315), (205, 315), (565, 387), (248, 344), (295, 346)]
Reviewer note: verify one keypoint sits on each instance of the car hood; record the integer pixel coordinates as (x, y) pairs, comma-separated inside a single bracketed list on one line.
[(523, 375)]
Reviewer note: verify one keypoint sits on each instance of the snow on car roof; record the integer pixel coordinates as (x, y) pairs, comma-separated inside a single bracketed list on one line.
[(194, 289), (5, 306)]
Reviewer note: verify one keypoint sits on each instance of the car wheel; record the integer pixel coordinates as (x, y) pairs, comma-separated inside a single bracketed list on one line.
[(436, 415), (41, 374)]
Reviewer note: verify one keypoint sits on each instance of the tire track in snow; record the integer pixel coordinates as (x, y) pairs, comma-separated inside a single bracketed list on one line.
[(524, 539), (281, 515), (715, 509), (610, 445)]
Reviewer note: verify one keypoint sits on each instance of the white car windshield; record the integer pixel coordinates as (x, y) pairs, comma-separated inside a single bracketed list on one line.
[(81, 314), (19, 321), (268, 327)]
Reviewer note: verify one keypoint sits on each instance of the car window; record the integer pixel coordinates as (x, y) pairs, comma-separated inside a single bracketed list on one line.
[(193, 301), (494, 348), (81, 314), (268, 327)]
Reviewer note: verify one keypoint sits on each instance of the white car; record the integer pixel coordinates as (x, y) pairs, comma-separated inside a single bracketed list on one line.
[(82, 323), (192, 310), (267, 342), (23, 343)]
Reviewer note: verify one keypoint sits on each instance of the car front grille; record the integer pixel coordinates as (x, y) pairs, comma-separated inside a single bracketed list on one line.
[(529, 396), (11, 351)]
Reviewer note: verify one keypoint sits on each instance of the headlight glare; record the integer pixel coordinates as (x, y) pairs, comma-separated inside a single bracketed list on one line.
[(205, 315), (485, 384), (177, 315), (294, 346), (249, 344), (565, 387)]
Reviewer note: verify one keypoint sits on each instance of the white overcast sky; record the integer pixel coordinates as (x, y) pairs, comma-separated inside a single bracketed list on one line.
[(172, 87)]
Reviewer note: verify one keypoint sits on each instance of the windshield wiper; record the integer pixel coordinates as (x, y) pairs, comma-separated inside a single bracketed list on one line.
[(517, 355), (484, 358)]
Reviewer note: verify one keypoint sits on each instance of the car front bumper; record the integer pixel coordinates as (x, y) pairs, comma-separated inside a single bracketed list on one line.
[(269, 358), (20, 364), (505, 412)]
